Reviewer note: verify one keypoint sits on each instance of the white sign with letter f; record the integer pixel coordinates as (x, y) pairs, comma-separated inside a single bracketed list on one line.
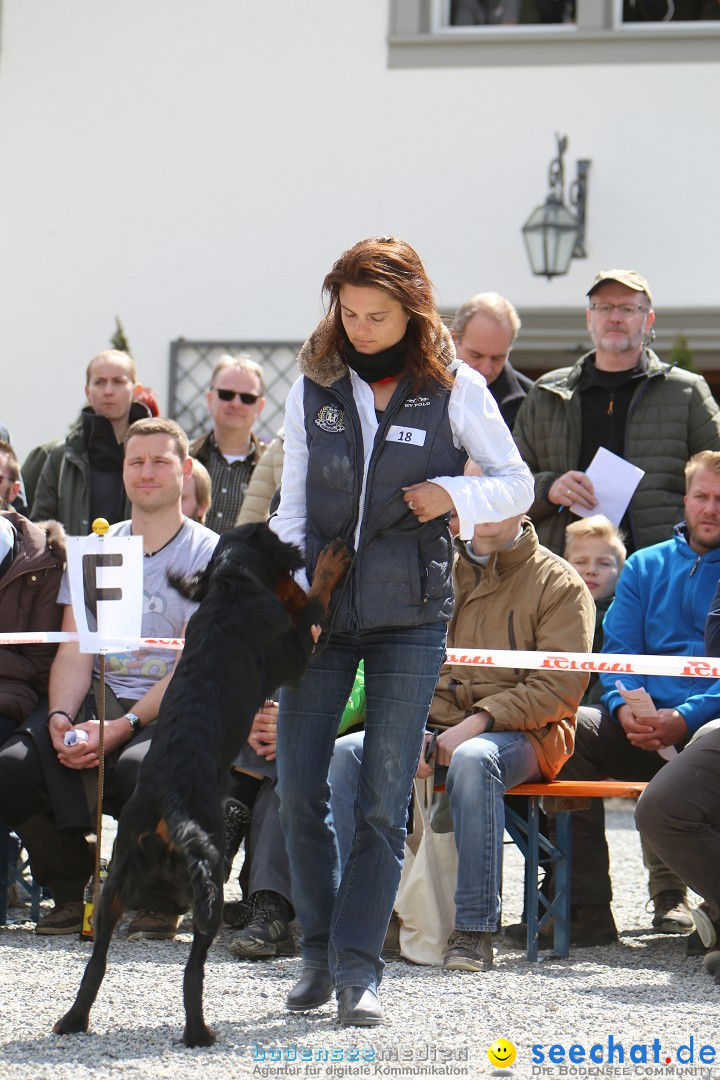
[(106, 589)]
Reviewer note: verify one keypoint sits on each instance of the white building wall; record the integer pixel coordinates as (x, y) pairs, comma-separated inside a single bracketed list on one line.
[(195, 167)]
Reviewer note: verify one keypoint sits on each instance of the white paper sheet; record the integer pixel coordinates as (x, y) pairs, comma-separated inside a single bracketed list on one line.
[(614, 481), (643, 706)]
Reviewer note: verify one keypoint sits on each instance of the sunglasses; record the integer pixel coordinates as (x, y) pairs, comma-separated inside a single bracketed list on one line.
[(228, 395)]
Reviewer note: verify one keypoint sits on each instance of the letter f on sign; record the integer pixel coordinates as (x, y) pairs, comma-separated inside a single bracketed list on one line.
[(91, 590)]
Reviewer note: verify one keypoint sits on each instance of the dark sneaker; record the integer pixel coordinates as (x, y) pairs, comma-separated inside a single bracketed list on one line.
[(469, 950), (63, 919), (391, 945), (693, 945), (672, 912), (268, 932), (237, 914), (708, 931), (711, 963), (153, 926), (237, 818), (517, 934), (592, 924)]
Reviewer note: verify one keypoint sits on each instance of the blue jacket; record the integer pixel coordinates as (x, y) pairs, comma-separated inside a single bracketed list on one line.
[(661, 603)]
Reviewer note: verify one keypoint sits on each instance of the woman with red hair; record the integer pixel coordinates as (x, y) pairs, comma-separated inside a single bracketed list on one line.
[(378, 429)]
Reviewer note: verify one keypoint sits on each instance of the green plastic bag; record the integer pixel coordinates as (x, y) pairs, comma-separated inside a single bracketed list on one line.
[(355, 709)]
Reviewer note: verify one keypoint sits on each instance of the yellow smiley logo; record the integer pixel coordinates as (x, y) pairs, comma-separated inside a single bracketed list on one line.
[(501, 1053)]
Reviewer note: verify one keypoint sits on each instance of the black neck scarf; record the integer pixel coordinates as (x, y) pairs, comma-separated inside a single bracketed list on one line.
[(379, 366)]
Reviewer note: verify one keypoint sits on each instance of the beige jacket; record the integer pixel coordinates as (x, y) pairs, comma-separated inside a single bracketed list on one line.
[(526, 598), (264, 482)]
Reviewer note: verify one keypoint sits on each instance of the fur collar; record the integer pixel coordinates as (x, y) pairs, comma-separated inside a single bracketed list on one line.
[(334, 367)]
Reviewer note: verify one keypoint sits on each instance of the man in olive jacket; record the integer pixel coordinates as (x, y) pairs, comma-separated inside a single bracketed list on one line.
[(623, 397), (501, 726)]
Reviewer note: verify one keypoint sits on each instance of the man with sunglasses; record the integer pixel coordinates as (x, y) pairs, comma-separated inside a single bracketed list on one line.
[(231, 450), (623, 397)]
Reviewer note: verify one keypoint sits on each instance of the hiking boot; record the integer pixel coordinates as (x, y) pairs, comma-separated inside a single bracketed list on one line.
[(391, 945), (237, 818), (268, 932), (469, 950), (63, 919), (237, 914), (672, 912), (153, 926), (708, 930), (592, 924)]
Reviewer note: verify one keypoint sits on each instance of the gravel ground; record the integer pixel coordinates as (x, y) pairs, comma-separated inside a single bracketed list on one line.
[(438, 1023)]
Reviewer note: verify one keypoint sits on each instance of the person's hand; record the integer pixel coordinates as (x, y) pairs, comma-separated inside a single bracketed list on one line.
[(572, 487), (664, 729), (448, 741), (263, 733), (426, 768), (86, 755), (427, 500)]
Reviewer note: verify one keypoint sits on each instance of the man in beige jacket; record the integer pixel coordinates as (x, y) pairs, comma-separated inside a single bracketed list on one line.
[(500, 726)]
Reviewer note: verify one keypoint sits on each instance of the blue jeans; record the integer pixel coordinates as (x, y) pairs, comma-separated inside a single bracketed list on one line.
[(479, 773), (344, 913)]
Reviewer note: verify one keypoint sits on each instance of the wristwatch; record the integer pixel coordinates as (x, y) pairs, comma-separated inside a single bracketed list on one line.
[(135, 722)]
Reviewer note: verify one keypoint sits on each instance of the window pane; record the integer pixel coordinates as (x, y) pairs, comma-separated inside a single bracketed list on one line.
[(510, 12), (669, 10)]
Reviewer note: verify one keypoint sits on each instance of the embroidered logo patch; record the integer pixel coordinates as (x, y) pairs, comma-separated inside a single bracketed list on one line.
[(417, 402), (331, 418)]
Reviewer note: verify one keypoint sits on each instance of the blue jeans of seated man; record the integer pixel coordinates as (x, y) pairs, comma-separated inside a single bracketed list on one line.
[(479, 773), (344, 914)]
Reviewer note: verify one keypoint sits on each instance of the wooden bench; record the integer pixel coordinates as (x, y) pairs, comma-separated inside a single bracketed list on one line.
[(538, 850)]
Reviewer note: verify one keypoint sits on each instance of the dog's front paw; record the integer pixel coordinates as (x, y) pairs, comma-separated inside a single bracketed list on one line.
[(198, 1034), (74, 1020), (332, 565)]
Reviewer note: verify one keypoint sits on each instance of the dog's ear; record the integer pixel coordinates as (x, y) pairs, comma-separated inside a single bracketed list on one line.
[(290, 595), (284, 557)]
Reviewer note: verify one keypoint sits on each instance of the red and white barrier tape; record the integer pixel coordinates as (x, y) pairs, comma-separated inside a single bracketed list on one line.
[(51, 637), (616, 663), (707, 667)]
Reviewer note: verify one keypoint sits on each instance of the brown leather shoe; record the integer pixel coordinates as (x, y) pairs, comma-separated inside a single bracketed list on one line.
[(592, 924), (153, 925), (63, 919)]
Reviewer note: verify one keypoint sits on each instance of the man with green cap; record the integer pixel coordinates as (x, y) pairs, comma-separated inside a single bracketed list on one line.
[(623, 397)]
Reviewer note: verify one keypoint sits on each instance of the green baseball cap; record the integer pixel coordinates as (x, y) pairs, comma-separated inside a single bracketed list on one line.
[(631, 278)]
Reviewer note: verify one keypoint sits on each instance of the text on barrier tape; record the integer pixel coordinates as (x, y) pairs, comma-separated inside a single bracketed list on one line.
[(706, 667)]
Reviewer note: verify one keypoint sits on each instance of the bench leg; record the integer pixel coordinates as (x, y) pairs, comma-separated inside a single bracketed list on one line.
[(561, 899), (536, 848)]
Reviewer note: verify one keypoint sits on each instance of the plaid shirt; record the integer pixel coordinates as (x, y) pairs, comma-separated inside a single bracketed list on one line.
[(229, 480)]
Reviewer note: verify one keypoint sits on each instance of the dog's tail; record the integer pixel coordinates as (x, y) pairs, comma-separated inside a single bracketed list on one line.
[(202, 858)]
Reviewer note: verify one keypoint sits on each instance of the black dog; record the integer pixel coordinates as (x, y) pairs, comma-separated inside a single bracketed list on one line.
[(251, 634)]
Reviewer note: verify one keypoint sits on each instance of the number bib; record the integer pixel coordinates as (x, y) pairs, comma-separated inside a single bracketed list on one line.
[(409, 435)]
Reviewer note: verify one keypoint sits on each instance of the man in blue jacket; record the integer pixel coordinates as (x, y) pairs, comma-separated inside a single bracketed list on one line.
[(660, 607)]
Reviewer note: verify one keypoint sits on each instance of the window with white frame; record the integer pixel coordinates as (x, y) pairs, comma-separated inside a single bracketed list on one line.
[(465, 33)]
